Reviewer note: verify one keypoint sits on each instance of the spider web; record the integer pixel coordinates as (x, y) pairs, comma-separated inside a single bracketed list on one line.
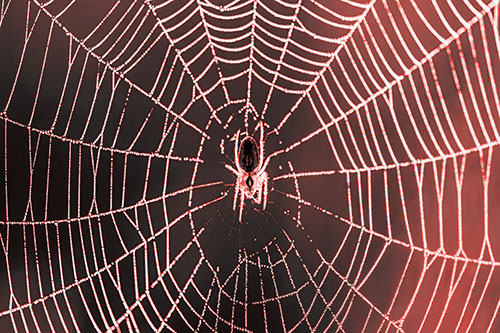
[(380, 122)]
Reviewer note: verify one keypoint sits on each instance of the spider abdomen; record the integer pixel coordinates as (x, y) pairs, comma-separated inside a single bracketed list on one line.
[(248, 154)]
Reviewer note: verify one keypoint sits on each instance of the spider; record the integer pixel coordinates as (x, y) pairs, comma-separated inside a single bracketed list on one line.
[(251, 177)]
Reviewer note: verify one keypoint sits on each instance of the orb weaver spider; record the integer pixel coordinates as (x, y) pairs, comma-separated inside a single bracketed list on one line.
[(251, 176)]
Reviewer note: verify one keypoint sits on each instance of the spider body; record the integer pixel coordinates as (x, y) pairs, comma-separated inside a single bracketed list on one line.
[(251, 177), (248, 154)]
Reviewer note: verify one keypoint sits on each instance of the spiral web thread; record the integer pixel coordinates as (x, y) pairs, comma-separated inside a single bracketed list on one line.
[(402, 94)]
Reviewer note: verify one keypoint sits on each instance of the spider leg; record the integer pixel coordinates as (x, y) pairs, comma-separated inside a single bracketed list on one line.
[(264, 165), (242, 202), (230, 168), (259, 196), (236, 147), (236, 192), (264, 204)]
